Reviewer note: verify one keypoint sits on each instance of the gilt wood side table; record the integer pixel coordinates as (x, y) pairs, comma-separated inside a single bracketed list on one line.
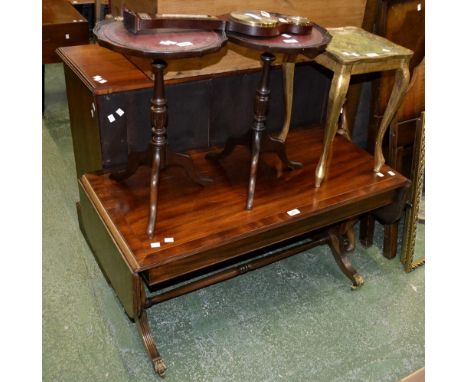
[(310, 44), (158, 45), (352, 50)]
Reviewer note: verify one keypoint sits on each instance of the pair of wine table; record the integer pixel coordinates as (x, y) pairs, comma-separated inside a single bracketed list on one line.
[(208, 229), (159, 45)]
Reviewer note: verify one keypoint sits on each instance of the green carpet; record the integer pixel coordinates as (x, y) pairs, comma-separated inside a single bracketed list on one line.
[(296, 320)]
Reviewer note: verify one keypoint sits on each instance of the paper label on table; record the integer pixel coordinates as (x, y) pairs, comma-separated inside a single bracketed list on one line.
[(168, 239), (111, 118), (67, 36), (380, 174), (120, 112), (103, 81), (168, 42), (290, 41), (372, 54), (391, 173), (156, 244), (293, 212), (185, 43)]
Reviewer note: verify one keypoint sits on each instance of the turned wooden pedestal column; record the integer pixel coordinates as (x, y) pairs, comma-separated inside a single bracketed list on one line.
[(153, 44), (255, 139)]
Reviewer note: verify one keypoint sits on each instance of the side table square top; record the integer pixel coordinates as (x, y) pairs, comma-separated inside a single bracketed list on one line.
[(350, 44)]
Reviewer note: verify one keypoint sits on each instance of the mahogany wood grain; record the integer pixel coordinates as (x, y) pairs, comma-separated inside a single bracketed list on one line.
[(210, 225), (86, 2), (62, 25), (87, 61), (84, 127)]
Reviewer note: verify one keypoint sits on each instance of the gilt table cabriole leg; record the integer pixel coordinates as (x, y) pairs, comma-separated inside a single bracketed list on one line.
[(288, 67), (402, 77), (336, 99)]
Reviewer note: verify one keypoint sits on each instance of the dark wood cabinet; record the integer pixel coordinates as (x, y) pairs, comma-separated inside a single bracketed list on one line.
[(62, 25)]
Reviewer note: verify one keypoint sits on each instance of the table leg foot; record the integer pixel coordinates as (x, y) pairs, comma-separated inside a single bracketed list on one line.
[(231, 143), (184, 161), (150, 345), (402, 77), (256, 141), (337, 245), (277, 146), (154, 191), (135, 160)]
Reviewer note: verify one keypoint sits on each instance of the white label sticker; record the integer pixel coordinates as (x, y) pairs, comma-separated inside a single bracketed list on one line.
[(380, 174), (156, 244), (185, 43), (67, 37), (168, 239), (167, 42), (372, 54), (391, 173), (120, 112), (293, 212), (419, 7), (290, 41), (111, 118), (103, 81)]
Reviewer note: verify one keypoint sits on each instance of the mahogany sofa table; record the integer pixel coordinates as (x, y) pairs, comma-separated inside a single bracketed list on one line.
[(311, 45), (202, 230), (158, 45)]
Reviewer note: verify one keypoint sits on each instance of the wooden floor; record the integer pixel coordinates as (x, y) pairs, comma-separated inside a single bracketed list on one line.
[(209, 224)]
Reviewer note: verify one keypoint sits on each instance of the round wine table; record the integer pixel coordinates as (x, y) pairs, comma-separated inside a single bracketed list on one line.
[(310, 44), (158, 45)]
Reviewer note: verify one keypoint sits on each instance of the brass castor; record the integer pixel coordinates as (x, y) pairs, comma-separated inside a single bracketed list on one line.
[(358, 281), (160, 367)]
